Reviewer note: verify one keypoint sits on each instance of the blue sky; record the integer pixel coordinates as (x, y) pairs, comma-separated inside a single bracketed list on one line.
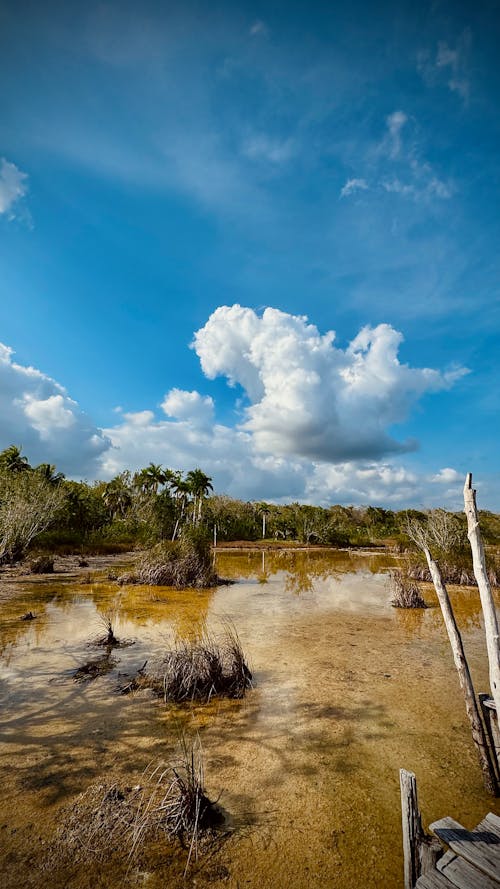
[(163, 161)]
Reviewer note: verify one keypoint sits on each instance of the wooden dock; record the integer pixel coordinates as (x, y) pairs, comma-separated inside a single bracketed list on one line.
[(453, 858), (473, 857)]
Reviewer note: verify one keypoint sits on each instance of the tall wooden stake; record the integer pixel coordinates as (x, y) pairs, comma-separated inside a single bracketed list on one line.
[(487, 603), (471, 706)]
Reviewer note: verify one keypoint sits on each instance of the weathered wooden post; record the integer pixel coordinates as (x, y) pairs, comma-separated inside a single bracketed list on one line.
[(478, 733), (487, 603), (420, 850)]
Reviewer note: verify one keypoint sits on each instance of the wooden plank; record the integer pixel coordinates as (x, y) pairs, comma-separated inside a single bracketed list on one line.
[(433, 880), (462, 874), (490, 823), (480, 848)]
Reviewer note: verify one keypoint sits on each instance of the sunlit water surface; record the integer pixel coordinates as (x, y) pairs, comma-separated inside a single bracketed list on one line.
[(347, 691)]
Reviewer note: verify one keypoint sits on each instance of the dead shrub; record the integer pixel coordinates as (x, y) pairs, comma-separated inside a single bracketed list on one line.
[(198, 670), (405, 592)]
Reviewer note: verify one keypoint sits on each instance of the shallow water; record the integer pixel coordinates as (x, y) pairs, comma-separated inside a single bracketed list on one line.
[(347, 691)]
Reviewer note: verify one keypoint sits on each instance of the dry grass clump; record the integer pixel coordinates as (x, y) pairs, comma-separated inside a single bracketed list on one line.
[(405, 592), (170, 802), (42, 564), (199, 670), (175, 802)]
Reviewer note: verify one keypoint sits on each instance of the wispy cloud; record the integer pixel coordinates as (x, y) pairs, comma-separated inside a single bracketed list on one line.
[(13, 187), (263, 147), (259, 29), (395, 123), (452, 62), (353, 185)]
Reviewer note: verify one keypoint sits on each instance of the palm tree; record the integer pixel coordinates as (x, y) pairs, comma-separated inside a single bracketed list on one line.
[(117, 495), (181, 490), (263, 510), (200, 485), (48, 472), (148, 480), (12, 460)]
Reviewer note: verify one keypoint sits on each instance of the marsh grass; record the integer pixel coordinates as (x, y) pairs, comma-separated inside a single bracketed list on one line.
[(405, 592), (174, 801), (213, 666), (169, 803)]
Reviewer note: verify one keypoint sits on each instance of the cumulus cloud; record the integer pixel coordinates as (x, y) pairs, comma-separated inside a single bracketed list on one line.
[(309, 398), (353, 185), (316, 424), (191, 407), (38, 414), (13, 186), (446, 476)]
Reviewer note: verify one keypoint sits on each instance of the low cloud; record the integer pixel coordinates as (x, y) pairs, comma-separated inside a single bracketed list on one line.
[(316, 423), (13, 187), (447, 476), (307, 397), (37, 414)]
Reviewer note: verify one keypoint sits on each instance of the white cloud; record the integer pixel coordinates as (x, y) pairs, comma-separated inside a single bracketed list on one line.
[(13, 186), (353, 185), (37, 414), (317, 425), (447, 476), (196, 409), (308, 398)]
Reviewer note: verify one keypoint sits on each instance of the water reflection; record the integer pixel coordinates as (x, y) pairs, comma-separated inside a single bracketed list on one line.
[(348, 689)]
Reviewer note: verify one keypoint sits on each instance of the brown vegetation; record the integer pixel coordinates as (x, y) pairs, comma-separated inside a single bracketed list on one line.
[(170, 802), (200, 670), (405, 593)]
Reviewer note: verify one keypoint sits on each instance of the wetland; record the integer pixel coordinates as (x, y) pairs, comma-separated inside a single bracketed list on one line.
[(346, 690)]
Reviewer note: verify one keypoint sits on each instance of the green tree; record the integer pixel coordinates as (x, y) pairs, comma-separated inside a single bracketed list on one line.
[(12, 460)]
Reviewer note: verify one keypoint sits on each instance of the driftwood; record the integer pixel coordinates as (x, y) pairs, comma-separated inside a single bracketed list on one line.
[(487, 603), (420, 850)]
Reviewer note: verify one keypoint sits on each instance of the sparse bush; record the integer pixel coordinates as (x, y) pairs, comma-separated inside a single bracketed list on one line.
[(212, 666), (405, 592), (183, 563)]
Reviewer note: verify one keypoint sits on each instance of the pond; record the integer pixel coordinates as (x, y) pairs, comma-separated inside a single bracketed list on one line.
[(346, 691)]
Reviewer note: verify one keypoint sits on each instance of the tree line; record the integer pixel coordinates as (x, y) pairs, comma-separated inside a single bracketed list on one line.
[(40, 507)]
